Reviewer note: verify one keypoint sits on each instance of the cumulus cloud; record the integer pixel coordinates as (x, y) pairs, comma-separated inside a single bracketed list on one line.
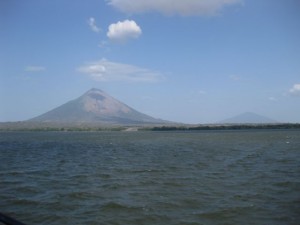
[(171, 7), (93, 26), (295, 90), (122, 31), (35, 68), (105, 70)]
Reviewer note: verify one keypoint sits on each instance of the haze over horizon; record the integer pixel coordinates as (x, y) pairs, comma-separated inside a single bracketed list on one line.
[(184, 61)]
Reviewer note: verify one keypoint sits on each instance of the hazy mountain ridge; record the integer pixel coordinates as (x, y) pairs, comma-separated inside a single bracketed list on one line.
[(248, 118), (96, 106)]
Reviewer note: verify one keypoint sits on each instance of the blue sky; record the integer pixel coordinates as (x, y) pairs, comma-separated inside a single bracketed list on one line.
[(188, 61)]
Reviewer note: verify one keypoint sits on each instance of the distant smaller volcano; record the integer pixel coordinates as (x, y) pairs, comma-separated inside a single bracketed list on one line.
[(96, 106), (248, 117)]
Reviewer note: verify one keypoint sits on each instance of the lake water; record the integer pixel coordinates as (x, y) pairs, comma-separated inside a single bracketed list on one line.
[(136, 178)]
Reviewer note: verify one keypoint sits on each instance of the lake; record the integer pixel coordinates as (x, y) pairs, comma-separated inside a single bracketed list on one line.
[(136, 178)]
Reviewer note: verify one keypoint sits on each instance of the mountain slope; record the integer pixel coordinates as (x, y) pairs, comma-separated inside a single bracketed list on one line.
[(96, 106), (248, 117)]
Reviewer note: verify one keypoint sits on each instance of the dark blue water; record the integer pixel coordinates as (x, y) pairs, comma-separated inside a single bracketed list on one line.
[(250, 177)]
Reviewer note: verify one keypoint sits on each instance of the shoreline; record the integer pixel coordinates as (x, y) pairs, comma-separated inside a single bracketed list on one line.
[(64, 127)]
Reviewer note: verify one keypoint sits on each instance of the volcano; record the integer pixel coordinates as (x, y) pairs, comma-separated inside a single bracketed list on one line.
[(249, 118), (96, 106)]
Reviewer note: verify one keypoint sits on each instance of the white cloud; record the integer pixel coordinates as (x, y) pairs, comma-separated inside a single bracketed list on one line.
[(105, 70), (171, 7), (295, 90), (273, 99), (122, 31), (35, 68), (201, 92), (235, 77), (93, 26)]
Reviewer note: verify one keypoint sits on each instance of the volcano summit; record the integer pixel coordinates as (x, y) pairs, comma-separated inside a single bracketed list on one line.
[(96, 106)]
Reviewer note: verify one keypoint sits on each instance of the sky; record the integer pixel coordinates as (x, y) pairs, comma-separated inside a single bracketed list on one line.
[(192, 61)]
